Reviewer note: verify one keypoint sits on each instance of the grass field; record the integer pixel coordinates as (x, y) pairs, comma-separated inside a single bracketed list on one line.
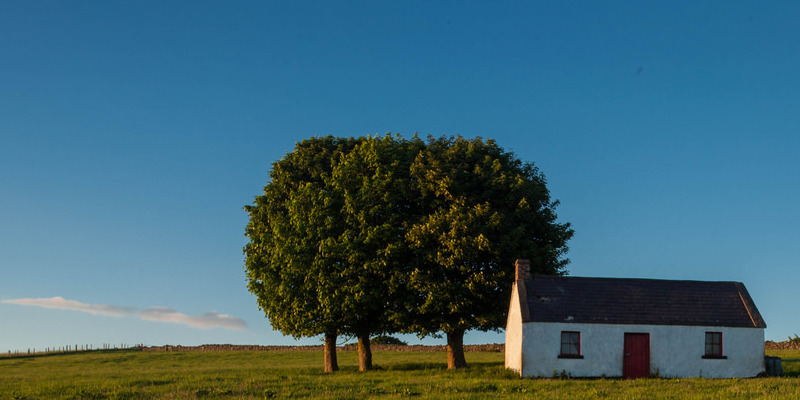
[(297, 374)]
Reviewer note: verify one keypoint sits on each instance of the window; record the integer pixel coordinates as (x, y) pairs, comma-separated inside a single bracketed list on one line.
[(714, 345), (570, 345)]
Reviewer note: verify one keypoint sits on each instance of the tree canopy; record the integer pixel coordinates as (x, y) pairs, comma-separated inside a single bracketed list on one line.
[(292, 224), (372, 181), (484, 208), (382, 234)]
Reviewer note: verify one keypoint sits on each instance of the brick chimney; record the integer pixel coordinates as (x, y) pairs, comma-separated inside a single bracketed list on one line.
[(523, 269)]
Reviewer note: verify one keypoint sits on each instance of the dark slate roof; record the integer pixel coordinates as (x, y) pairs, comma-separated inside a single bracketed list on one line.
[(637, 301)]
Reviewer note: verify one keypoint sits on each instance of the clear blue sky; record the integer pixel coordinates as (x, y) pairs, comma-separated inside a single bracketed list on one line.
[(133, 133)]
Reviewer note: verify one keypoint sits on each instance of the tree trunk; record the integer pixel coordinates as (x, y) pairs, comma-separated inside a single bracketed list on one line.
[(455, 350), (329, 353), (364, 353)]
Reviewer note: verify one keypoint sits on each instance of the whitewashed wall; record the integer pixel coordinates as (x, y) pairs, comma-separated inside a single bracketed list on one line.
[(513, 347), (675, 351)]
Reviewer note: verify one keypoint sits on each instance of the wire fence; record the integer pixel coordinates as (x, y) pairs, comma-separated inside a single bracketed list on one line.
[(76, 348)]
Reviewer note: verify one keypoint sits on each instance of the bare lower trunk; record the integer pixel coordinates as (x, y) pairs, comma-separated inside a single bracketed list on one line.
[(364, 353), (331, 364), (455, 350)]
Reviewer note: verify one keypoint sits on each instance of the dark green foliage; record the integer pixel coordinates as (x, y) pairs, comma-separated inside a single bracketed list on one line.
[(383, 339), (372, 181), (295, 278), (326, 236), (484, 208), (293, 226)]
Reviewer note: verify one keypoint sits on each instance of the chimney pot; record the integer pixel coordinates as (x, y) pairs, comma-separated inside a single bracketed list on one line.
[(523, 269)]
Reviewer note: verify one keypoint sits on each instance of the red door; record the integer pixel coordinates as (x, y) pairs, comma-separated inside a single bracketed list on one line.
[(636, 360)]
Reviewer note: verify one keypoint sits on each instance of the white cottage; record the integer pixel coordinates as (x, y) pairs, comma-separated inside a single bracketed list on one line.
[(592, 327)]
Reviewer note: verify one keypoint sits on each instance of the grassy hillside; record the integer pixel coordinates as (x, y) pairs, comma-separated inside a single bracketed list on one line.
[(288, 374)]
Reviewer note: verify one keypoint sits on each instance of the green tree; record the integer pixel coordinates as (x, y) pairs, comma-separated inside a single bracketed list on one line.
[(327, 237), (482, 209), (296, 283), (381, 234), (389, 340), (373, 180)]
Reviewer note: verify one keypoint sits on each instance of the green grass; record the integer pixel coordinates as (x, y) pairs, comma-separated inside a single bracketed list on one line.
[(284, 375), (790, 361)]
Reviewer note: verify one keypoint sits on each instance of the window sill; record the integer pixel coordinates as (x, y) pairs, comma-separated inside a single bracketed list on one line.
[(576, 356), (715, 357)]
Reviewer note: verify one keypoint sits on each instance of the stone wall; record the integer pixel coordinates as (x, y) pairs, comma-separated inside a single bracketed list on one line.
[(785, 345)]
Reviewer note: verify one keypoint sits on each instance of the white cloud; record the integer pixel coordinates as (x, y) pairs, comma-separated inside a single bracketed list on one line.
[(60, 303), (208, 320)]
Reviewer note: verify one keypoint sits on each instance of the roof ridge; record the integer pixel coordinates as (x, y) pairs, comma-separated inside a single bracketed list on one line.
[(630, 279)]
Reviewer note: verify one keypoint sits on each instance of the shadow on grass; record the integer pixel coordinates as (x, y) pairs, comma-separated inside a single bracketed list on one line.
[(424, 366), (791, 367), (415, 366), (140, 383)]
